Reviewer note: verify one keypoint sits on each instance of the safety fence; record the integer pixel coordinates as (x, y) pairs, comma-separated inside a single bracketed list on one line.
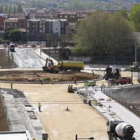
[(131, 104)]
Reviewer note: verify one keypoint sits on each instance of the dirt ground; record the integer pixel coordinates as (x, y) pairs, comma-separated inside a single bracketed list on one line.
[(60, 124), (5, 61), (32, 76)]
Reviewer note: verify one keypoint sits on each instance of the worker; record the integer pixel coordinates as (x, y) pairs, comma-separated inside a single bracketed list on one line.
[(75, 80), (50, 63), (39, 107), (89, 102), (51, 80), (41, 80)]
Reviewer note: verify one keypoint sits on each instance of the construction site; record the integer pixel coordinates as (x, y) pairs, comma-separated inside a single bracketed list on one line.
[(35, 98)]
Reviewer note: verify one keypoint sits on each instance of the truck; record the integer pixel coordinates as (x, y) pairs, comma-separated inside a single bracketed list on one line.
[(63, 66), (119, 130), (113, 77)]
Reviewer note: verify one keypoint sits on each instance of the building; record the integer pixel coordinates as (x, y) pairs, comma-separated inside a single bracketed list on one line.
[(15, 23), (72, 19), (44, 26), (2, 20), (10, 24)]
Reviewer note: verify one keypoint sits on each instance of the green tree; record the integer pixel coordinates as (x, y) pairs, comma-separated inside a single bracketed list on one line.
[(15, 35), (20, 9), (6, 8), (103, 33), (135, 17), (1, 9), (124, 13), (14, 9), (10, 9)]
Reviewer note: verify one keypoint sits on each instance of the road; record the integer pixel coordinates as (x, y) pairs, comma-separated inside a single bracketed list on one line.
[(26, 58)]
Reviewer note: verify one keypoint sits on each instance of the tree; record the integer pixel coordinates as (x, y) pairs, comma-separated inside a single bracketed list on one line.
[(103, 33), (14, 9), (135, 17), (15, 35), (124, 13), (20, 9)]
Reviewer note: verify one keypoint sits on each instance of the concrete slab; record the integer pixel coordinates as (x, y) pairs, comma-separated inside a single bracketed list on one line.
[(18, 116)]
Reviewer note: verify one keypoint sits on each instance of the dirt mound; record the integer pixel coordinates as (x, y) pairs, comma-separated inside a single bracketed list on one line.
[(40, 75)]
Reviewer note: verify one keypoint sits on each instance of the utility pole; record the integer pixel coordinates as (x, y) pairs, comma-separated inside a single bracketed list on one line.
[(135, 51)]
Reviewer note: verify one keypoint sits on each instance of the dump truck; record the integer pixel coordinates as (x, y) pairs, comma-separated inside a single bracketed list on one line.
[(63, 66)]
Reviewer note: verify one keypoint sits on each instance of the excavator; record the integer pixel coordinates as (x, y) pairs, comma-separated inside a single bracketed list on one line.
[(113, 77), (63, 66)]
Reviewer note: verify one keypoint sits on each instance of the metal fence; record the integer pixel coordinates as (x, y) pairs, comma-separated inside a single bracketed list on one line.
[(135, 108)]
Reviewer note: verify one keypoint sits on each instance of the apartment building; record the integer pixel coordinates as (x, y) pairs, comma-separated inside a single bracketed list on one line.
[(10, 24), (44, 26), (15, 22)]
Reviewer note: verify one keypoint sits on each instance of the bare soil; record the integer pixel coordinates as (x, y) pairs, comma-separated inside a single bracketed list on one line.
[(5, 61), (25, 76)]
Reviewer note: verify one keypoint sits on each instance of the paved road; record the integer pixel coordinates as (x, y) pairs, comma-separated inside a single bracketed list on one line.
[(26, 58)]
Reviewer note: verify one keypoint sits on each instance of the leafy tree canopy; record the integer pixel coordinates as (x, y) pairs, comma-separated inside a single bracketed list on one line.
[(103, 33), (15, 35), (135, 17)]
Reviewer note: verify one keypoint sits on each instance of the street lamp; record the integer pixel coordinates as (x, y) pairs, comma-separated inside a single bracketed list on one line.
[(76, 138)]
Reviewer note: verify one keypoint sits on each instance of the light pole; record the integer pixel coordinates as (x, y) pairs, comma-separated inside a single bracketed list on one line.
[(76, 138), (135, 51)]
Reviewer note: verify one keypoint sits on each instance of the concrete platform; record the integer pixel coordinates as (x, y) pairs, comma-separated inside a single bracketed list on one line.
[(20, 114)]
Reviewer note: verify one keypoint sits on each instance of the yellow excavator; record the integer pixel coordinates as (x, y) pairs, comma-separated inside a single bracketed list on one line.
[(63, 66)]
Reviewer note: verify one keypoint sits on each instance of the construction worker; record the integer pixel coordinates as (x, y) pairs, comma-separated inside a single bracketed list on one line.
[(51, 80), (75, 80), (39, 107)]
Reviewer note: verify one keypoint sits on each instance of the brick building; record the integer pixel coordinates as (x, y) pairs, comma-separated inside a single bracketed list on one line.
[(2, 19), (17, 21), (10, 24)]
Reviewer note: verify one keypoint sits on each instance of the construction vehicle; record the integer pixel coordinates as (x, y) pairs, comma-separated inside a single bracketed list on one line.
[(112, 72), (63, 66), (113, 77), (12, 48), (119, 130)]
